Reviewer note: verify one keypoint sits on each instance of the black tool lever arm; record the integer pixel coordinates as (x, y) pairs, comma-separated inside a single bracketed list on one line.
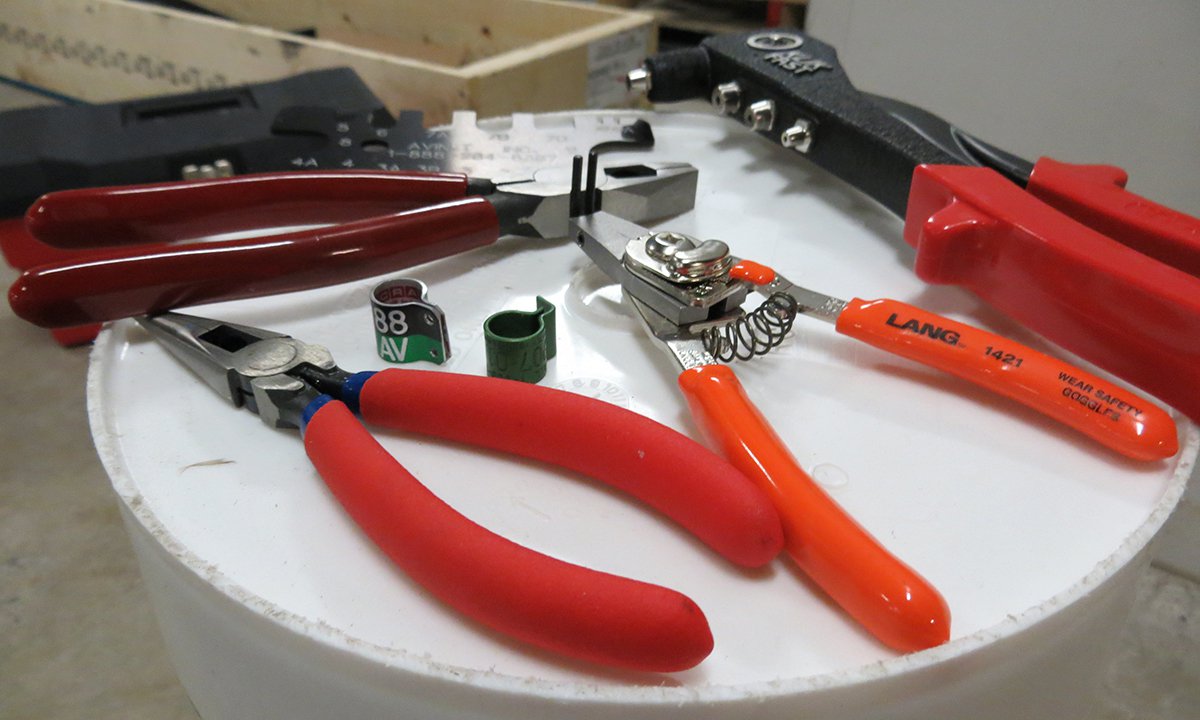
[(851, 136), (969, 149)]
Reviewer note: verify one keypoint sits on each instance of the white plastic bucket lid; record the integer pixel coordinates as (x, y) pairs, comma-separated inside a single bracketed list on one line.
[(1013, 518)]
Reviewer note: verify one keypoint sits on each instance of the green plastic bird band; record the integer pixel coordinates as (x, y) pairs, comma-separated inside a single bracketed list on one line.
[(519, 344), (408, 327)]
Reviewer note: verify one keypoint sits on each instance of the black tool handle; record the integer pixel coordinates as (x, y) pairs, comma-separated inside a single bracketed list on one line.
[(154, 139), (850, 135)]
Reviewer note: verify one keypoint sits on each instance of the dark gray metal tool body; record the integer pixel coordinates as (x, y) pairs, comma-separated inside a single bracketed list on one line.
[(63, 147), (791, 88)]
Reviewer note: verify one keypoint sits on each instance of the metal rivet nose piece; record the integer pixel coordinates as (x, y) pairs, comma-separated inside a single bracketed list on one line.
[(760, 115), (638, 80), (798, 137), (727, 98)]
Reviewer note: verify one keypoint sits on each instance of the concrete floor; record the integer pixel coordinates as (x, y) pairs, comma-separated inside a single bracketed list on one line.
[(78, 638)]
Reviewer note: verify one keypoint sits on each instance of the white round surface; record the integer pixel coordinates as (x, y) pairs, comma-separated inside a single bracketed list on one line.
[(1009, 515)]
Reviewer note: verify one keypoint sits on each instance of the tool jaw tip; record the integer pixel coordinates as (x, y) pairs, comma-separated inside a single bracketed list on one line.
[(280, 400), (649, 191), (262, 371), (246, 365), (548, 219)]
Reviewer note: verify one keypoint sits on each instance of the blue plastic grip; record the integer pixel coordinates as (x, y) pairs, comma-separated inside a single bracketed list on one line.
[(352, 388), (311, 409)]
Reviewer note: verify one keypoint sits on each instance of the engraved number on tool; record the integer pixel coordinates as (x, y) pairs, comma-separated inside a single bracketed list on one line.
[(393, 322), (1006, 358)]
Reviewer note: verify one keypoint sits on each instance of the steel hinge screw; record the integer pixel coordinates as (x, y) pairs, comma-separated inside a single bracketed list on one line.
[(799, 136)]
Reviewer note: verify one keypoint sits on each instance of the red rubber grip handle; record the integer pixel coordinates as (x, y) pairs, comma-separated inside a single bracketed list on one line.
[(665, 469), (1095, 195), (1125, 311), (1106, 412), (23, 251), (887, 597), (174, 211), (124, 282), (548, 603)]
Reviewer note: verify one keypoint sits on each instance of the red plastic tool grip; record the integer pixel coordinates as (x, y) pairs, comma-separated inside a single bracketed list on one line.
[(665, 469), (22, 251), (170, 212), (1126, 312), (1095, 195), (548, 603), (124, 282)]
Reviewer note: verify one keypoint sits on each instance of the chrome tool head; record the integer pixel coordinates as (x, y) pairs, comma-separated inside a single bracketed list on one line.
[(248, 366), (637, 192)]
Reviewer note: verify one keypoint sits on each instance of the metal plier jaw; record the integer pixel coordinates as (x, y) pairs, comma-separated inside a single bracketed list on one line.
[(683, 288), (271, 374), (541, 208), (684, 283), (679, 285), (676, 283)]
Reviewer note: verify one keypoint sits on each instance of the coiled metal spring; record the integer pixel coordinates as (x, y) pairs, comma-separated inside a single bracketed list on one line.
[(755, 333)]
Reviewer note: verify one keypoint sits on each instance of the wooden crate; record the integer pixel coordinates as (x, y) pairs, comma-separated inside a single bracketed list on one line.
[(492, 57)]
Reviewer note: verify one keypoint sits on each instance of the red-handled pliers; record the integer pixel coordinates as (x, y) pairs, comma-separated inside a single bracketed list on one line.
[(122, 252), (564, 608)]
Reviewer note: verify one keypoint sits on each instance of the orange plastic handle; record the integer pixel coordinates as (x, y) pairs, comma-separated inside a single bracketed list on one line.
[(887, 597), (1098, 408)]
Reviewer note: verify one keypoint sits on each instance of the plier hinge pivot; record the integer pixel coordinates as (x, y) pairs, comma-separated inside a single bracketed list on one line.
[(272, 375)]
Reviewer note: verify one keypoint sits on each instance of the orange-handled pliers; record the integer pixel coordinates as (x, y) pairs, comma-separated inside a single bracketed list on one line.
[(690, 293), (1104, 411)]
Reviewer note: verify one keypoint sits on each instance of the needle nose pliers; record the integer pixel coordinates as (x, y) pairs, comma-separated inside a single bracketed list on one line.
[(564, 608)]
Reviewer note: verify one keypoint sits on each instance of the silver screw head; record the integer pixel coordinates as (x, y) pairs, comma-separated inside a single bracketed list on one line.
[(798, 137), (760, 115), (727, 98), (689, 259), (664, 245), (638, 80)]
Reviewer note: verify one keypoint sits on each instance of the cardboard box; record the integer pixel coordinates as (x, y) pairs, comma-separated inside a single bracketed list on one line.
[(494, 57)]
